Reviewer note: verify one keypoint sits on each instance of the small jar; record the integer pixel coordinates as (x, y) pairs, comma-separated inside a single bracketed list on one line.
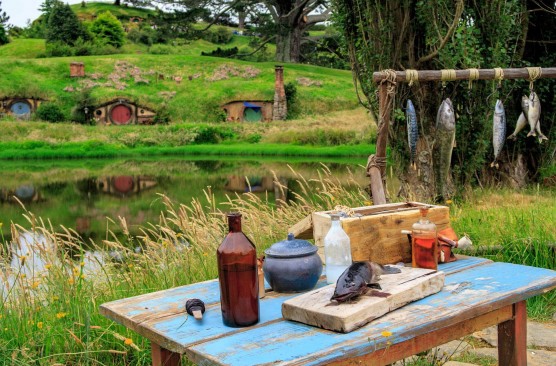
[(292, 265), (424, 243)]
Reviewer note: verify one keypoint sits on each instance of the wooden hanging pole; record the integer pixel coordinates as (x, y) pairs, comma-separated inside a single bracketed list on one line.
[(376, 166), (484, 74), (387, 79)]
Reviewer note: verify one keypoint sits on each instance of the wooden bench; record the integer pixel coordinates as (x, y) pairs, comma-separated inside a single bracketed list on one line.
[(477, 294)]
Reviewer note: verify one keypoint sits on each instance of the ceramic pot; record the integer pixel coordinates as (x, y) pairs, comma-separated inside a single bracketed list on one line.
[(292, 265)]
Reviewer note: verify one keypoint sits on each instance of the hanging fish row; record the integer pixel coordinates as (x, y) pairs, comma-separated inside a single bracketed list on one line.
[(531, 112)]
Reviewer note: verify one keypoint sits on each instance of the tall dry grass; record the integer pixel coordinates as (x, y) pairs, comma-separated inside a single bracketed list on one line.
[(49, 309)]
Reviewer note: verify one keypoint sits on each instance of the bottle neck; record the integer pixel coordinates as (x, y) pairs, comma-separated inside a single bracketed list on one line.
[(234, 222), (336, 223)]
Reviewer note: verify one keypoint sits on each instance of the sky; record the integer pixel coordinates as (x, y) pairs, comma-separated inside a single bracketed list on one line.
[(21, 10)]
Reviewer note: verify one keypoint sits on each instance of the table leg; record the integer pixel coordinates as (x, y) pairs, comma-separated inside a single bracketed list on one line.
[(512, 338), (163, 357)]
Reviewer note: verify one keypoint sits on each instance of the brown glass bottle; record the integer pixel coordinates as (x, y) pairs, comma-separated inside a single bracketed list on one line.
[(424, 248), (237, 271)]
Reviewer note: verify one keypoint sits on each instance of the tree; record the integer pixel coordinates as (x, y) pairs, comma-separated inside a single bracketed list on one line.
[(3, 23), (3, 17), (3, 36), (447, 34), (63, 25), (108, 28), (291, 18)]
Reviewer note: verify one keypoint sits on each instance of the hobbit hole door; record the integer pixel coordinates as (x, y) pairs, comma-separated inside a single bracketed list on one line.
[(252, 114), (121, 115), (21, 109)]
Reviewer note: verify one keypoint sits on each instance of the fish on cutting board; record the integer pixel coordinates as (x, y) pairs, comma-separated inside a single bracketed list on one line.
[(359, 278)]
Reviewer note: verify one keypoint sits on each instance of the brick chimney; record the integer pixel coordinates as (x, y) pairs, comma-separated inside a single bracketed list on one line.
[(280, 108), (77, 69)]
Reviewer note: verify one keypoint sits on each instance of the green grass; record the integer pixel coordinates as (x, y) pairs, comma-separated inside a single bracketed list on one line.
[(95, 149), (22, 48), (123, 13)]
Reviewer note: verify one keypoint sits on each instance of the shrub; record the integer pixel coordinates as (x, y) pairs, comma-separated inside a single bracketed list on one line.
[(161, 49), (213, 134), (145, 36), (291, 99), (219, 52), (83, 100), (220, 35), (63, 25), (107, 27), (58, 49), (3, 36), (50, 112)]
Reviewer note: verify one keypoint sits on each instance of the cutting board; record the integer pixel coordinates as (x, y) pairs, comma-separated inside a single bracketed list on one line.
[(315, 308)]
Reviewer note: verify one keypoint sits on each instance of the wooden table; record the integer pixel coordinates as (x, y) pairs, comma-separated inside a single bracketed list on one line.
[(477, 294)]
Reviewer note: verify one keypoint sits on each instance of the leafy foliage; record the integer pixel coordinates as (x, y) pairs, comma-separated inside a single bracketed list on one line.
[(3, 36), (107, 28), (50, 112), (63, 25)]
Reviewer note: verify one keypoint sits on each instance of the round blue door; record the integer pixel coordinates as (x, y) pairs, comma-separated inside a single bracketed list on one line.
[(21, 108)]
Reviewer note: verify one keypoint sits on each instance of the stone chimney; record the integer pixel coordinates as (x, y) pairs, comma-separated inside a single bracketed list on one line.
[(280, 108), (77, 69)]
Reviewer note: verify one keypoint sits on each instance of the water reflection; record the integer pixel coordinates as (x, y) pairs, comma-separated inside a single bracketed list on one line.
[(26, 193), (82, 195)]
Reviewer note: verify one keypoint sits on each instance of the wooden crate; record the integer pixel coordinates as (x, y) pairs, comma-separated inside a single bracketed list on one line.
[(376, 234)]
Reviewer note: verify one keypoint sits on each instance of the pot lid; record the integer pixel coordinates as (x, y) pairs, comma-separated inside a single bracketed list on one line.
[(291, 248)]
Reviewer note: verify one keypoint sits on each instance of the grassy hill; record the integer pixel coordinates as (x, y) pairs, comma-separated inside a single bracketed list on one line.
[(124, 12), (198, 99), (147, 75)]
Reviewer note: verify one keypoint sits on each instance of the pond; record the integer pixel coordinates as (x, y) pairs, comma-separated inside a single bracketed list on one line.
[(82, 194)]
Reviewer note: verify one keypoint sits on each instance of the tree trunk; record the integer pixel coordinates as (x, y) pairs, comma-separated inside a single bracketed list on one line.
[(284, 40), (118, 2), (241, 20)]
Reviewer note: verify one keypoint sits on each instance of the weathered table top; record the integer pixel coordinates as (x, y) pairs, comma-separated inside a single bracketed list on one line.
[(473, 287)]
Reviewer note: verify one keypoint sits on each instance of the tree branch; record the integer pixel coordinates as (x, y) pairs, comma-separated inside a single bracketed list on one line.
[(256, 50), (449, 34)]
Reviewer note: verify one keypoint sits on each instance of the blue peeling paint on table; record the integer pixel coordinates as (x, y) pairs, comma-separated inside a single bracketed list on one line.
[(477, 293)]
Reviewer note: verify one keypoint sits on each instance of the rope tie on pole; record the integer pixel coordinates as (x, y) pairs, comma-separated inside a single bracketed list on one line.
[(473, 75), (411, 76), (390, 78), (376, 162), (499, 75), (447, 75), (534, 74)]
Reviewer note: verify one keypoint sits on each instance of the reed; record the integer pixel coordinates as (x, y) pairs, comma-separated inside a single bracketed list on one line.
[(49, 313)]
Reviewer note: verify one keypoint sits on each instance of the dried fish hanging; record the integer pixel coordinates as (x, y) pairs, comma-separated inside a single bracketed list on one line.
[(532, 108), (498, 120), (444, 139), (411, 120)]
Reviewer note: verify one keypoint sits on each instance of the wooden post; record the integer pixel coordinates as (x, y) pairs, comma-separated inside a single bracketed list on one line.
[(377, 172), (163, 357), (512, 338)]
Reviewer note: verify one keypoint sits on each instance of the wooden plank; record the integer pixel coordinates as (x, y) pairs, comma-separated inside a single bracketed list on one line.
[(163, 357), (512, 337), (484, 74), (315, 308), (176, 332), (430, 340), (303, 229), (466, 295), (376, 236)]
